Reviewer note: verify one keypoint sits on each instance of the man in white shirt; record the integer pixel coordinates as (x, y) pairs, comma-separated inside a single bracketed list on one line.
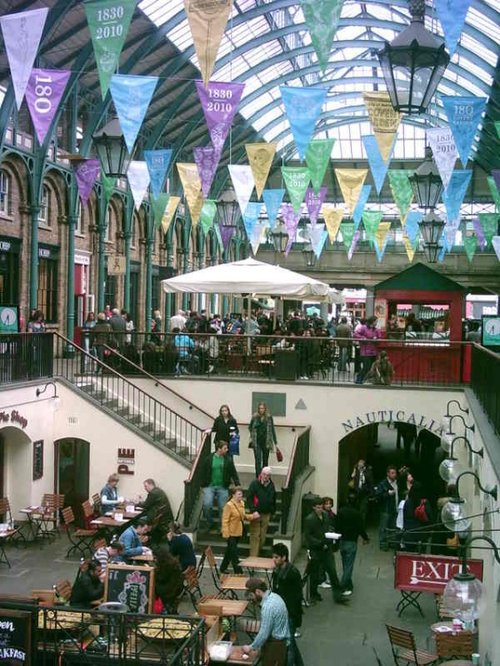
[(178, 321)]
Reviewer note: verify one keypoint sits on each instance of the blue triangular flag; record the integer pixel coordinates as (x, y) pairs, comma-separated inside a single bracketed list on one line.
[(378, 167), (454, 195), (131, 96), (303, 107), (158, 162), (273, 200), (360, 206), (411, 225), (251, 216), (452, 15), (464, 114)]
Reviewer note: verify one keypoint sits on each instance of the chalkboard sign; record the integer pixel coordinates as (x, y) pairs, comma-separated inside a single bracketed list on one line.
[(15, 637), (37, 459), (130, 585)]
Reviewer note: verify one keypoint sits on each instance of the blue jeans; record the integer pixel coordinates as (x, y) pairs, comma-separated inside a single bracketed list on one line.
[(366, 364), (348, 551), (209, 494), (294, 658), (344, 353)]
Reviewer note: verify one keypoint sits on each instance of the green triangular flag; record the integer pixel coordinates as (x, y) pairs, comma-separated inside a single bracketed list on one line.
[(317, 159), (296, 181), (371, 221), (494, 192), (108, 185), (347, 230), (470, 245), (159, 206), (108, 22), (207, 214), (489, 223), (402, 190), (322, 18), (219, 237), (497, 127)]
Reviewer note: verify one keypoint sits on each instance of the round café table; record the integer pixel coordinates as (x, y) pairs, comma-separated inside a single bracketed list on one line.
[(444, 623)]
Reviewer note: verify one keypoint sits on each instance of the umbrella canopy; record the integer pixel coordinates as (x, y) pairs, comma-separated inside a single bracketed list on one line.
[(249, 277)]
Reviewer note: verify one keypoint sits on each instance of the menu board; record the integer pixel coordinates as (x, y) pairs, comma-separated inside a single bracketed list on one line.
[(15, 637), (130, 585)]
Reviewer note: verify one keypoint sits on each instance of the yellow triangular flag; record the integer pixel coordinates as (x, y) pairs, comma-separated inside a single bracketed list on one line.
[(333, 218), (169, 213), (385, 121), (260, 157), (191, 184), (381, 233), (410, 249), (351, 181), (207, 20), (195, 208)]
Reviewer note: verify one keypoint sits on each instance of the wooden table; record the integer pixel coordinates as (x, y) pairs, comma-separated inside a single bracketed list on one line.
[(233, 582), (227, 607), (148, 557), (105, 522), (3, 538), (38, 519), (129, 515), (459, 662), (449, 626), (236, 656), (259, 563)]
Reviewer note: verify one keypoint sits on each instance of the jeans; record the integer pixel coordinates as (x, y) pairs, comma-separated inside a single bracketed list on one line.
[(366, 364), (209, 494), (323, 560), (387, 523), (232, 556), (348, 551), (343, 358), (261, 458), (294, 656)]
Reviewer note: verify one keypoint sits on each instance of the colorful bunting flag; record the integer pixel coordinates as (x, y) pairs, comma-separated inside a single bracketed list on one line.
[(297, 181), (470, 246), (371, 222), (251, 216), (291, 220), (207, 160), (322, 19), (497, 127), (207, 20), (108, 185), (207, 214), (454, 195), (169, 213), (495, 241), (317, 159), (354, 244), (109, 21), (317, 235), (495, 192), (243, 183), (452, 18), (226, 232), (159, 206), (303, 108), (347, 230), (86, 173), (381, 239), (411, 225), (351, 183), (385, 121), (478, 230), (131, 97), (402, 190), (191, 184), (138, 180), (219, 101), (496, 177), (260, 157), (22, 33), (450, 233), (489, 224), (360, 206), (257, 236), (410, 248), (195, 207), (43, 95), (444, 151), (378, 166), (314, 202), (273, 200), (158, 162), (333, 218), (464, 114)]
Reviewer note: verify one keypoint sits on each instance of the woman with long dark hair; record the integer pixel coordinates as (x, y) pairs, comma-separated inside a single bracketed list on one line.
[(262, 436), (169, 581), (225, 426)]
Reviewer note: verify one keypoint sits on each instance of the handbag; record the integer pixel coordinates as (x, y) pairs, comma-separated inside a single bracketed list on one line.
[(234, 444), (279, 454)]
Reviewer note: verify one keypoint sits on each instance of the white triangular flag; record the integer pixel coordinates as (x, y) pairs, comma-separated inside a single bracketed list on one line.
[(138, 179), (243, 183)]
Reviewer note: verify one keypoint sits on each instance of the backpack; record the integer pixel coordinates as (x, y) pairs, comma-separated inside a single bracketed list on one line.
[(421, 512)]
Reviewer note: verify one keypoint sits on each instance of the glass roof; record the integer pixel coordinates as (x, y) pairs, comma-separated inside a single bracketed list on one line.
[(266, 44)]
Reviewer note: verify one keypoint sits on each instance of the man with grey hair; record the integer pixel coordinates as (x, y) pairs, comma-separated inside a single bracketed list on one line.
[(177, 321)]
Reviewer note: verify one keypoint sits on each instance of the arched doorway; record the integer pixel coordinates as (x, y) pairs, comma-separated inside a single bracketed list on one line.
[(15, 467), (72, 473)]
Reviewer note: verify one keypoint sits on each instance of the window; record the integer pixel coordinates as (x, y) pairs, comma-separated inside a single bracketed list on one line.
[(5, 193), (47, 288), (133, 237), (110, 291), (79, 226), (44, 214), (107, 233)]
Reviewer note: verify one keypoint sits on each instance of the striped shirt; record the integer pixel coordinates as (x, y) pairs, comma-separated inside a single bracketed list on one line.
[(274, 620)]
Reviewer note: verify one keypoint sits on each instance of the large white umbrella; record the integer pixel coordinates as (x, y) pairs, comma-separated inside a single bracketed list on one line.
[(249, 276)]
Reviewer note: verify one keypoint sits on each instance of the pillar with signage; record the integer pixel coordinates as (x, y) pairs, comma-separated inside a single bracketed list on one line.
[(82, 303)]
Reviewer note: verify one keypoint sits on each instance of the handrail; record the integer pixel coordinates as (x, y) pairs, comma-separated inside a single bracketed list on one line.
[(192, 485), (299, 460)]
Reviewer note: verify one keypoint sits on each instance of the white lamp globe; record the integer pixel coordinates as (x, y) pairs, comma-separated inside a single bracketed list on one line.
[(463, 597), (446, 441), (453, 516), (450, 469)]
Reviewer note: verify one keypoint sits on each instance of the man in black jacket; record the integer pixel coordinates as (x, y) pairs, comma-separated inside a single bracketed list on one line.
[(287, 582), (388, 496), (320, 548), (158, 510), (88, 586), (261, 497), (350, 524), (218, 473)]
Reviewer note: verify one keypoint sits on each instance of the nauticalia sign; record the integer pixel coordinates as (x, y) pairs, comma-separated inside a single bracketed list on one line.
[(391, 416)]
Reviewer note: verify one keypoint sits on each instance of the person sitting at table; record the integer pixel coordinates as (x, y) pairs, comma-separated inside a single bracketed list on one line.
[(133, 539), (107, 555), (109, 494), (88, 585), (233, 517), (169, 581), (181, 546), (157, 508), (185, 347)]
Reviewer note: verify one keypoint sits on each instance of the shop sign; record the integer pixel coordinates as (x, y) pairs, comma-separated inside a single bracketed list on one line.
[(126, 459), (15, 636), (82, 259), (4, 246), (390, 416), (43, 253), (13, 417), (430, 573)]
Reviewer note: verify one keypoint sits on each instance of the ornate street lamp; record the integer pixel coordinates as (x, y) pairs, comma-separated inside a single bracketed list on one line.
[(279, 237), (112, 149), (431, 228), (228, 209), (309, 255), (413, 63), (426, 183)]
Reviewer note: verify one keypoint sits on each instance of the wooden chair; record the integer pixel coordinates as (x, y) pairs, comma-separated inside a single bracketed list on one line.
[(44, 597), (216, 576), (52, 503), (193, 590), (6, 514), (404, 649), (458, 646), (96, 503), (63, 590), (442, 612), (88, 513), (81, 540)]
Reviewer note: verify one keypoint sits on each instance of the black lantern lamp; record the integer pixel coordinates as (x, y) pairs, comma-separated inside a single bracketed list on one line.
[(431, 228), (426, 183), (228, 209), (112, 149), (309, 255), (279, 237), (413, 64)]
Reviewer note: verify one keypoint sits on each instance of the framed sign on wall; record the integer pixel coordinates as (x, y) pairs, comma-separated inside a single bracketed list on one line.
[(37, 459)]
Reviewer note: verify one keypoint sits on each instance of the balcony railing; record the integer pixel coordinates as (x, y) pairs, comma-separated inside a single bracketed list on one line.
[(485, 382)]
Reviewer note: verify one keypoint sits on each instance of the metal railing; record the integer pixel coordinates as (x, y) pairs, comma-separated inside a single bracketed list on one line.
[(114, 392), (193, 484), (485, 382), (299, 461), (288, 358), (25, 356)]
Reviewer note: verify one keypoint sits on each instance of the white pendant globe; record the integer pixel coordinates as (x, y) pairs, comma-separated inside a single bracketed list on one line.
[(450, 469), (446, 441), (463, 597), (453, 516)]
